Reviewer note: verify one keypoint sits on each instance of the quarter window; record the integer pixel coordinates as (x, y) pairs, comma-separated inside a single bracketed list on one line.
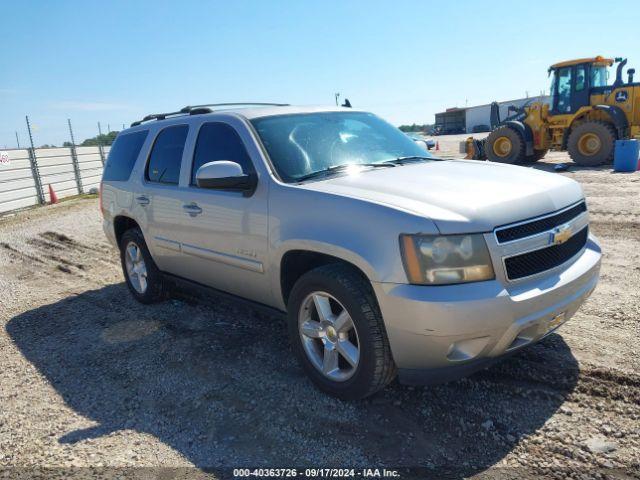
[(166, 155), (123, 156), (219, 141)]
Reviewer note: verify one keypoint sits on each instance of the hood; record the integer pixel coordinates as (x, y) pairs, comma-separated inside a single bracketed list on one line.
[(460, 196)]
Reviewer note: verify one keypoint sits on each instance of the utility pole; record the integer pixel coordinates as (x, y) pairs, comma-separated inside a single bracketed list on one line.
[(17, 140)]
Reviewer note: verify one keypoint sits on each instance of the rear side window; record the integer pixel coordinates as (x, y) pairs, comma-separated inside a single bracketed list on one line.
[(219, 141), (123, 155), (166, 155)]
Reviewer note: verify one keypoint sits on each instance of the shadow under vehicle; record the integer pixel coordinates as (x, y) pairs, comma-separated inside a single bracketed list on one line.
[(215, 382)]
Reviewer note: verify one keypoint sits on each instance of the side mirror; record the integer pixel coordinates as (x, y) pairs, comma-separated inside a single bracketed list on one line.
[(224, 174)]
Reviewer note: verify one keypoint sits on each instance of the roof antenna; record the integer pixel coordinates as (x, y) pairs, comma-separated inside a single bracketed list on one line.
[(346, 103)]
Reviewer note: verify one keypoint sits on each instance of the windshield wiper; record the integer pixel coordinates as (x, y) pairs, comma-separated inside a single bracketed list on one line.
[(408, 159), (339, 168)]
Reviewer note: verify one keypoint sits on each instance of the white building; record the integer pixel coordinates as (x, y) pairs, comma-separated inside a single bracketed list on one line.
[(481, 115), (455, 120)]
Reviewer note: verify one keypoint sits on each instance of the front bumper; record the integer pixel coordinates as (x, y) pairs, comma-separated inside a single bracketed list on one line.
[(441, 333)]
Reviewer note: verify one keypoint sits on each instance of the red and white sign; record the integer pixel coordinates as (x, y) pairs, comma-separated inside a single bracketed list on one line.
[(4, 158)]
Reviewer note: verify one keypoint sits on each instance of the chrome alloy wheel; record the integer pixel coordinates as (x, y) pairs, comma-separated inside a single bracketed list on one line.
[(329, 336), (136, 268)]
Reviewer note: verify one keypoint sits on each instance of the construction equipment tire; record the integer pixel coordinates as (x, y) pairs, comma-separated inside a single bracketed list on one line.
[(537, 155), (505, 145), (592, 143)]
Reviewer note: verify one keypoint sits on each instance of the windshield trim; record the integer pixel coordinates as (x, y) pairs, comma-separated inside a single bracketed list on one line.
[(329, 171), (265, 153), (302, 114)]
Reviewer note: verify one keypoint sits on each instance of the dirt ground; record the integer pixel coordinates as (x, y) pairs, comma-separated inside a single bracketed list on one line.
[(90, 378)]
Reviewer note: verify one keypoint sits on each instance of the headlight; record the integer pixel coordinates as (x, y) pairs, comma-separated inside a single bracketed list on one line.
[(442, 260)]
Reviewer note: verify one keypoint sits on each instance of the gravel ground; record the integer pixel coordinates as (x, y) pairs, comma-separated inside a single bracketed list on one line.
[(90, 378)]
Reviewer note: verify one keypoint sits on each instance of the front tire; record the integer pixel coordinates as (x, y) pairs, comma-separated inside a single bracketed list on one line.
[(140, 271), (337, 332), (592, 143), (505, 145)]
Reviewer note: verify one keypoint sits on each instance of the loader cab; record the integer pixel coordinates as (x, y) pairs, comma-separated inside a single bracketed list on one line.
[(572, 83)]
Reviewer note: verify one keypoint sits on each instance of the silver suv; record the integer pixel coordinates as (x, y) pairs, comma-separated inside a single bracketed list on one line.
[(386, 259)]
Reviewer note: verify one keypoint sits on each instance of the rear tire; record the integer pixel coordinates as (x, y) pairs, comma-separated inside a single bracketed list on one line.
[(592, 143), (505, 145), (140, 271), (344, 290), (537, 155)]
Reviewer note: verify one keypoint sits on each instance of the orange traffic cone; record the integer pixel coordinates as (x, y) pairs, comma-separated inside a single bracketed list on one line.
[(53, 198), (437, 146)]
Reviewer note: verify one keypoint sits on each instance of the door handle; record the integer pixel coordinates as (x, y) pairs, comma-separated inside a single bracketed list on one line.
[(192, 209), (142, 200)]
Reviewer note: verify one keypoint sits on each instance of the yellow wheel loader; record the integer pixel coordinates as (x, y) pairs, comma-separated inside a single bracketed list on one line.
[(585, 117)]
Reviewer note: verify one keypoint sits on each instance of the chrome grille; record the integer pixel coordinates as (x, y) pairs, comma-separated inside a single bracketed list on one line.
[(540, 244), (537, 261), (539, 225)]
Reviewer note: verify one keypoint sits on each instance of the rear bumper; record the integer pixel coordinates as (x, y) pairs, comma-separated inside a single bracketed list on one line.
[(442, 333), (109, 232)]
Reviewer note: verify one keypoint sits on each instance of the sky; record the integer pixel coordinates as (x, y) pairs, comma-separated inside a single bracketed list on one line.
[(115, 61)]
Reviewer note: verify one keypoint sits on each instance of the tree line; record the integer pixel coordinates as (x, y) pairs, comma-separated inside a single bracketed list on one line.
[(426, 127), (105, 139)]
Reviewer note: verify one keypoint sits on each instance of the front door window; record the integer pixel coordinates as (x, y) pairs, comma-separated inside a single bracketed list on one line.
[(563, 99), (581, 78)]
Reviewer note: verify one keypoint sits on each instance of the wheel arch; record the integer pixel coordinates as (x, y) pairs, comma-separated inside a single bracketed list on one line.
[(122, 223), (297, 261), (615, 114), (525, 132)]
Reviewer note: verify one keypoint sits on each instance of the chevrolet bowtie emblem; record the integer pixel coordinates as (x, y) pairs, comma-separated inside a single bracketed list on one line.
[(560, 234)]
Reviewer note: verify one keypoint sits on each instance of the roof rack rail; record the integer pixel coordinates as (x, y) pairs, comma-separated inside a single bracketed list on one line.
[(189, 108), (202, 109), (156, 116)]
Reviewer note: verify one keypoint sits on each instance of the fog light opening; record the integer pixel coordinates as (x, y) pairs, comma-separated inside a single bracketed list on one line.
[(467, 349)]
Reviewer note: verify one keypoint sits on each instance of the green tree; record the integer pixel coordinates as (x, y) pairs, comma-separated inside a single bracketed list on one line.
[(104, 139)]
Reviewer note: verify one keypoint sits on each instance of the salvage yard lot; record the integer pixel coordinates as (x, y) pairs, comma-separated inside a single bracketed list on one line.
[(89, 377)]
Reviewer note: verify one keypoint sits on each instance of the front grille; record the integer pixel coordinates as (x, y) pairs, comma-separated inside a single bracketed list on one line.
[(530, 263), (538, 226)]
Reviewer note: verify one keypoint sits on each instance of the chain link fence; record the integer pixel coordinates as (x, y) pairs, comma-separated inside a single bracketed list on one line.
[(28, 175)]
